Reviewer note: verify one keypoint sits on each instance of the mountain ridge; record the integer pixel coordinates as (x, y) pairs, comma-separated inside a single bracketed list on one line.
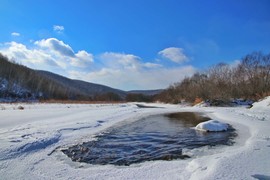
[(86, 87)]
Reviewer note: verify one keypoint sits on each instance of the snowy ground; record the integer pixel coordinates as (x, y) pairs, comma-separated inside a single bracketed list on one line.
[(29, 137)]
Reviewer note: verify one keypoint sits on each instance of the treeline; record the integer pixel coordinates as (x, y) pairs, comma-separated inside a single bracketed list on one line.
[(138, 97), (39, 87), (250, 79)]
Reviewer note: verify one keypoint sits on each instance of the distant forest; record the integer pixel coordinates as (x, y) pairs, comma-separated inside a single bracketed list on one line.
[(250, 79)]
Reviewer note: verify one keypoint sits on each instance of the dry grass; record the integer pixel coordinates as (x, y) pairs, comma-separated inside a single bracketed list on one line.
[(53, 101), (197, 101)]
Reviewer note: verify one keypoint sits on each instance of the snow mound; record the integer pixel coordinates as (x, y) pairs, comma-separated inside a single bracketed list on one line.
[(212, 125), (263, 104)]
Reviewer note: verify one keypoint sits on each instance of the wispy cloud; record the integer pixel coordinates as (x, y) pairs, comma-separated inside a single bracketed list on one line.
[(58, 28), (152, 65), (126, 61), (139, 79), (15, 34), (174, 54), (120, 60)]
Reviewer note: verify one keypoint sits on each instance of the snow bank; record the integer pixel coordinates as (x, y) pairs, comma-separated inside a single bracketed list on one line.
[(263, 104), (212, 125)]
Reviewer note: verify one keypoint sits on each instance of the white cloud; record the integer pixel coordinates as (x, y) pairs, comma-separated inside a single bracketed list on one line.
[(126, 61), (120, 60), (57, 46), (83, 59), (174, 54), (15, 34), (47, 54), (80, 59), (58, 28)]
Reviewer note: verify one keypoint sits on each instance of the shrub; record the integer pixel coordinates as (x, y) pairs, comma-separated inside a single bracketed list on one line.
[(20, 107)]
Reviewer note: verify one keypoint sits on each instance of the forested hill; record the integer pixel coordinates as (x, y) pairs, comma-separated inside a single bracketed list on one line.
[(90, 89), (18, 81), (248, 79)]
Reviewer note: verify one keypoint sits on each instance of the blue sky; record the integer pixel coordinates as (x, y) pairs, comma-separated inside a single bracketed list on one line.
[(127, 44)]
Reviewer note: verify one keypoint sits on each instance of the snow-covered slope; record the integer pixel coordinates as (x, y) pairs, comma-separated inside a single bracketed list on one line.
[(30, 141), (263, 104)]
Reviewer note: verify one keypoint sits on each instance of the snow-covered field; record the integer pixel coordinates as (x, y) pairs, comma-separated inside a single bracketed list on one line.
[(31, 139)]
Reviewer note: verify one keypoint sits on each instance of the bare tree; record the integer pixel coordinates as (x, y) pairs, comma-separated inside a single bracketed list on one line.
[(249, 79)]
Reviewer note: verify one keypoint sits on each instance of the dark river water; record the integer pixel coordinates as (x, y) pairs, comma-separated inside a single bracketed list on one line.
[(158, 137)]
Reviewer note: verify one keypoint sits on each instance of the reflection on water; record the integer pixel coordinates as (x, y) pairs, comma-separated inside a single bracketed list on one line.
[(159, 137)]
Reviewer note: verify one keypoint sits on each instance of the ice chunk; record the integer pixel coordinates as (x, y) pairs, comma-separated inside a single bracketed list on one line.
[(212, 125)]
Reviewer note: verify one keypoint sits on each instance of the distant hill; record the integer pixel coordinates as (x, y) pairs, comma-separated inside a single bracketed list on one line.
[(20, 82), (90, 89)]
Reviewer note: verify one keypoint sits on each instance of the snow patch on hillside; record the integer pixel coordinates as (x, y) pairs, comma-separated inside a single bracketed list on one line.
[(10, 92), (263, 104)]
